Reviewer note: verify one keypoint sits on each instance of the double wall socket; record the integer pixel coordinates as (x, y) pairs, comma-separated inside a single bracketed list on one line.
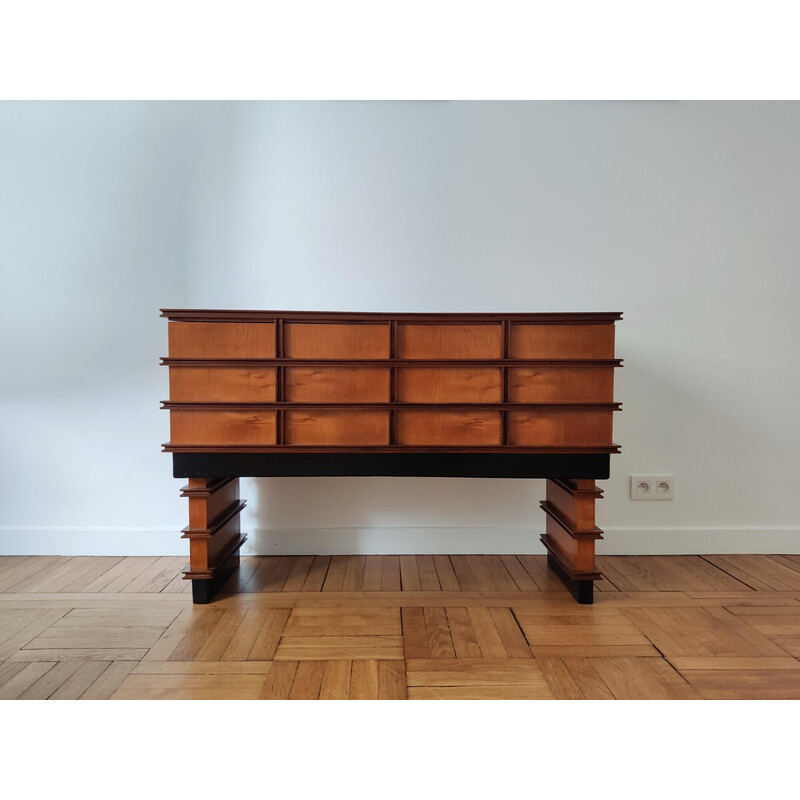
[(652, 487)]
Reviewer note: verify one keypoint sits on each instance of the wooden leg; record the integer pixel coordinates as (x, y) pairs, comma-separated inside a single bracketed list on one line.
[(571, 534), (213, 532)]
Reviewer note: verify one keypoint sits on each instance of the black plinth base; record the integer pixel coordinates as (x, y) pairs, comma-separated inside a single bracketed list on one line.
[(582, 590), (420, 465), (203, 591)]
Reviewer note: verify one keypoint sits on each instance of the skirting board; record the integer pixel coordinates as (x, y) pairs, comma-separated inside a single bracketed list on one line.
[(343, 541)]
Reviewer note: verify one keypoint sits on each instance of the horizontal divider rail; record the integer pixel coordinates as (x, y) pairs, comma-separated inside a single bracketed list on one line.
[(390, 362), (396, 404)]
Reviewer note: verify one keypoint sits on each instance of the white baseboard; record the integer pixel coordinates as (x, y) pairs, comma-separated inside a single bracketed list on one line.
[(328, 541)]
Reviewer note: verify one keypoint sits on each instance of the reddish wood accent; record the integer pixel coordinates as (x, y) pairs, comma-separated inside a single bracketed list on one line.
[(337, 427), (329, 340), (219, 385), (550, 428), (449, 341), (221, 340), (562, 341), (449, 385), (449, 428), (337, 384), (214, 530), (561, 385), (221, 428)]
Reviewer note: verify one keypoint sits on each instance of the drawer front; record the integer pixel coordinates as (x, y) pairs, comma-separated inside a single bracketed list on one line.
[(222, 339), (560, 428), (561, 385), (336, 341), (204, 427), (337, 384), (561, 341), (449, 385), (221, 385), (323, 427), (453, 428), (449, 341)]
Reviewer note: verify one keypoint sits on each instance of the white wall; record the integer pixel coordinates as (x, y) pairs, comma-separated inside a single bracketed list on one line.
[(682, 215)]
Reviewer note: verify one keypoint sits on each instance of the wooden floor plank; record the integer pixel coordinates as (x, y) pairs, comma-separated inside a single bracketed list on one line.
[(23, 679), (109, 680), (409, 574), (720, 684), (307, 681), (299, 574), (643, 679), (465, 643), (354, 574), (428, 577), (278, 683), (327, 648), (446, 574), (335, 680), (391, 580), (269, 635), (316, 574), (373, 570), (81, 680)]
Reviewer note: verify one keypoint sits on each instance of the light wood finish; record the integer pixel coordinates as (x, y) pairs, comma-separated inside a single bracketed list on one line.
[(541, 428), (455, 428), (449, 385), (449, 341), (220, 427), (337, 384), (336, 341), (222, 384), (561, 341), (481, 627), (337, 427), (221, 340), (542, 384)]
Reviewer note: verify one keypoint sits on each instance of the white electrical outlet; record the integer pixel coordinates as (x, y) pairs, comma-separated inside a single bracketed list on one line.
[(652, 487)]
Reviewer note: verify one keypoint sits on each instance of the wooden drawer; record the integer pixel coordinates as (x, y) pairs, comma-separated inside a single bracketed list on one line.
[(335, 340), (337, 384), (449, 341), (207, 427), (455, 428), (450, 384), (222, 340), (553, 428), (561, 341), (336, 427), (561, 384), (221, 385)]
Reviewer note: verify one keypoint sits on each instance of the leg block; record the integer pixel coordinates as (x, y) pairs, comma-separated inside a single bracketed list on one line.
[(571, 534), (213, 532)]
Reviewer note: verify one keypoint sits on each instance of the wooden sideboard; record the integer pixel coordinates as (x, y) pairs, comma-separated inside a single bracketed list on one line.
[(268, 393)]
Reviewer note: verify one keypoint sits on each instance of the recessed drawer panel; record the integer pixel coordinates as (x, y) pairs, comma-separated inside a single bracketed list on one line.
[(222, 339), (561, 384), (322, 427), (333, 340), (221, 385), (449, 341), (561, 341), (554, 428), (337, 384), (206, 427), (449, 385), (454, 428)]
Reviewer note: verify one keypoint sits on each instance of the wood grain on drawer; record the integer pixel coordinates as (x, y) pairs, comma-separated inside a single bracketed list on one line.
[(561, 341), (449, 341), (206, 427), (561, 384), (449, 384), (334, 340), (337, 384), (221, 384), (456, 428), (336, 427), (540, 428), (222, 339)]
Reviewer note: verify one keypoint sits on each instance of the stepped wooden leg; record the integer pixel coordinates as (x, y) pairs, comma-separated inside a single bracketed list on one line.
[(213, 532), (571, 534)]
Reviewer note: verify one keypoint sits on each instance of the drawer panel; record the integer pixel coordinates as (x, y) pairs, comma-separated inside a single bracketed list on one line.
[(337, 384), (449, 341), (561, 385), (221, 385), (554, 428), (334, 340), (204, 427), (455, 428), (450, 384), (335, 427), (222, 339), (561, 341)]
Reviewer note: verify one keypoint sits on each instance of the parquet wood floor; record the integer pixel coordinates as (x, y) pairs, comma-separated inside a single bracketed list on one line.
[(401, 627)]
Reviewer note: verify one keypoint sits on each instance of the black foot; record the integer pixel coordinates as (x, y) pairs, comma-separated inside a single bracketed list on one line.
[(582, 590), (203, 591)]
